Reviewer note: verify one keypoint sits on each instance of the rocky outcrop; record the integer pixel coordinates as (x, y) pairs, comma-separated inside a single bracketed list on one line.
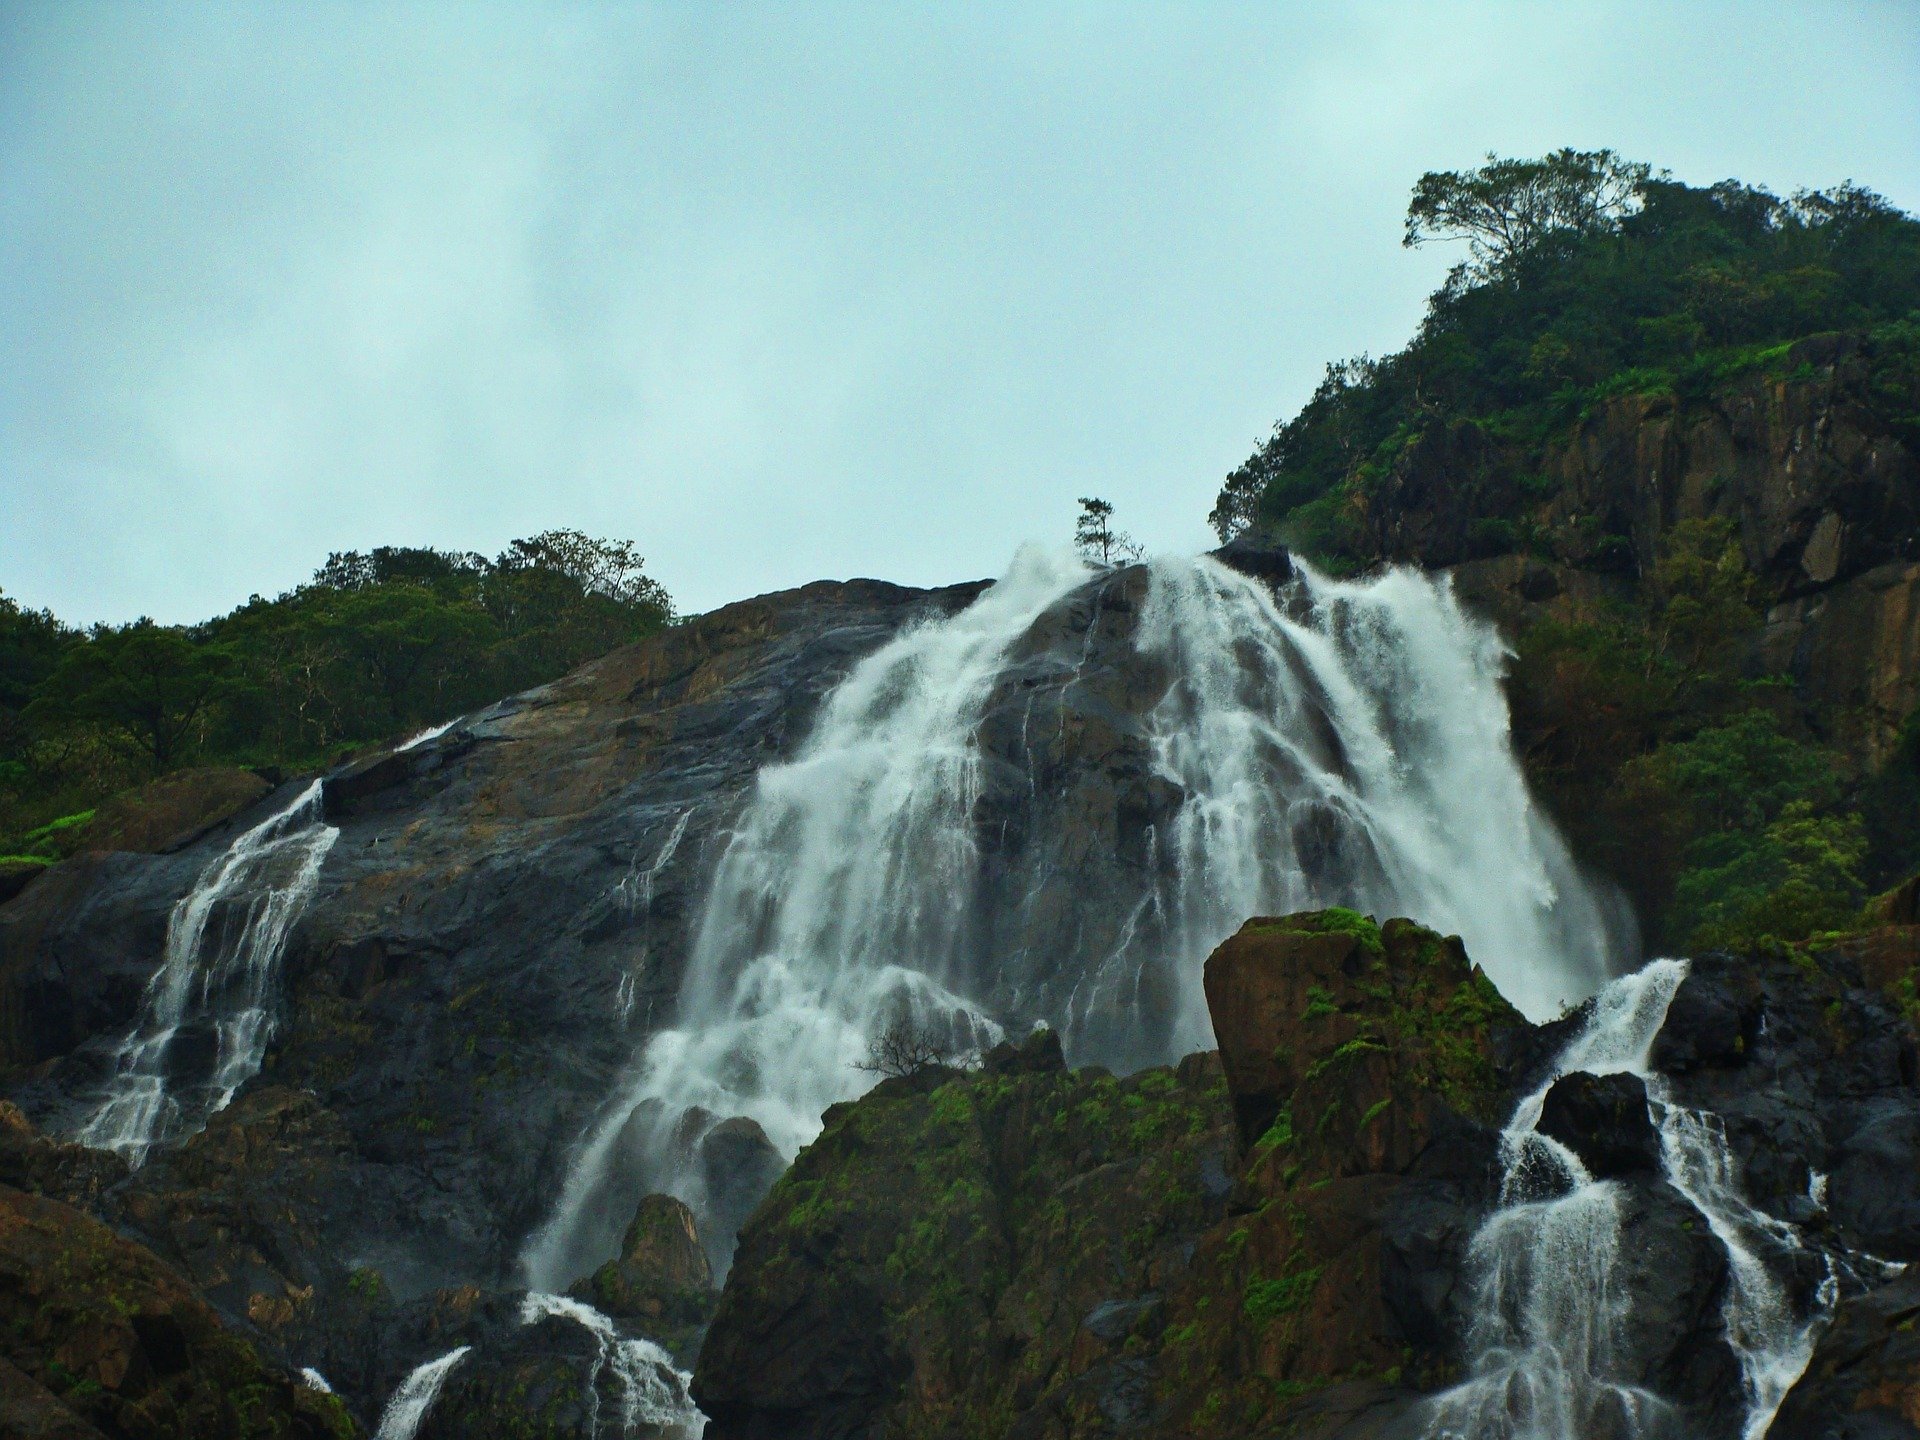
[(1811, 461), (173, 811), (99, 1338), (660, 1280), (1268, 1238), (981, 1252), (1863, 1382), (1033, 1252)]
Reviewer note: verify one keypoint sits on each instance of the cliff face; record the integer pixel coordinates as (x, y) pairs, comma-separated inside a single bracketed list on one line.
[(1815, 467), (499, 923)]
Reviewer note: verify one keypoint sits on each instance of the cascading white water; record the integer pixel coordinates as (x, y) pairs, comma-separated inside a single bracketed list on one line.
[(421, 737), (652, 1389), (1773, 1343), (1364, 723), (219, 970), (1548, 1311), (411, 1402), (1347, 745)]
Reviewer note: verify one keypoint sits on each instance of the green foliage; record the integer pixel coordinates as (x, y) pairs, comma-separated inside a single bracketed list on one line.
[(1589, 277), (376, 644), (145, 688), (1738, 775), (1268, 1300), (1509, 208), (1336, 920), (1798, 876)]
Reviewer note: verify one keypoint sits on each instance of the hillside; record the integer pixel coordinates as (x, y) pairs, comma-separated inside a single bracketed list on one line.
[(1670, 437)]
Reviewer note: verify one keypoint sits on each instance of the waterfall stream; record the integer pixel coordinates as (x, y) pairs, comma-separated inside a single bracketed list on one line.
[(208, 1011), (1549, 1312), (652, 1390), (1335, 743), (410, 1403)]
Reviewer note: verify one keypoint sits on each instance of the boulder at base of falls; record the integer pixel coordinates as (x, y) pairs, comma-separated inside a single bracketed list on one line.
[(561, 1371), (660, 1279), (1265, 1240)]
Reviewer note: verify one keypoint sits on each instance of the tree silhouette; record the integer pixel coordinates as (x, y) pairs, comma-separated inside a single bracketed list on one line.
[(1096, 539)]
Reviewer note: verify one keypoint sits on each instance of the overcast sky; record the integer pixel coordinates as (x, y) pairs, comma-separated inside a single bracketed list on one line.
[(778, 292)]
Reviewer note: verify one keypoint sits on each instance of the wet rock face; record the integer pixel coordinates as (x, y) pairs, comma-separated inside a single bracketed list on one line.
[(489, 941), (1864, 1380)]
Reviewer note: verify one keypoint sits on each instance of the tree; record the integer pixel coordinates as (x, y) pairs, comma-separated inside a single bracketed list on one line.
[(442, 569), (1506, 207), (31, 644), (148, 687), (906, 1047), (1096, 539), (405, 639), (609, 568)]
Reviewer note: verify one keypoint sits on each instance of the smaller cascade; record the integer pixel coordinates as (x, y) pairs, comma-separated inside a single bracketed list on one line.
[(421, 737), (314, 1380), (635, 896), (1549, 1313), (652, 1390), (1774, 1345), (408, 1408), (224, 941)]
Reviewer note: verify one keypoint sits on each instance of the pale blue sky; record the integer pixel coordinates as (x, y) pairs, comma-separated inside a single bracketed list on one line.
[(779, 292)]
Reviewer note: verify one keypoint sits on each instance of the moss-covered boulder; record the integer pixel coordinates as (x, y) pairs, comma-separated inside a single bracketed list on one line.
[(101, 1329), (661, 1279), (961, 1252), (1345, 1042)]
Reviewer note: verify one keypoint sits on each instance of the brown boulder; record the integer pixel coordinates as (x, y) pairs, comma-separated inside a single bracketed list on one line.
[(661, 1275), (1866, 1367), (1342, 1039)]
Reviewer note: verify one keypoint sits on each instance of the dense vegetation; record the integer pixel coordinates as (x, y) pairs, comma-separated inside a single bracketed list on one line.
[(375, 645), (1674, 760), (1643, 283)]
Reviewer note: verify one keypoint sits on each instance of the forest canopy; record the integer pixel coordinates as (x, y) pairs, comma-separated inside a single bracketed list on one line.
[(376, 644)]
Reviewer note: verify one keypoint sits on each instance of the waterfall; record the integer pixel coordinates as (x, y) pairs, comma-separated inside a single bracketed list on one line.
[(1548, 1310), (410, 1403), (216, 983), (915, 860), (653, 1391)]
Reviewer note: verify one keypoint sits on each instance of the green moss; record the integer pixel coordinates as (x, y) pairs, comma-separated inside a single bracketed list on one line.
[(1268, 1300), (1333, 921), (1278, 1135)]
